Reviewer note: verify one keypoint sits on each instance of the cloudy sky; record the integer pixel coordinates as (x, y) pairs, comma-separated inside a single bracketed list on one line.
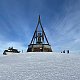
[(60, 20)]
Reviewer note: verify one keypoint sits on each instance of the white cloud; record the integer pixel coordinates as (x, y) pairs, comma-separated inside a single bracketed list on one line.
[(77, 40)]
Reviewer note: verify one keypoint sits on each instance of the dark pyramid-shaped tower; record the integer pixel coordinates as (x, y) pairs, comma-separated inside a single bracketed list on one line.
[(39, 42)]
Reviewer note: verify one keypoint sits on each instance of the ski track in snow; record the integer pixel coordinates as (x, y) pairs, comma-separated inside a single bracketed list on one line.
[(40, 66)]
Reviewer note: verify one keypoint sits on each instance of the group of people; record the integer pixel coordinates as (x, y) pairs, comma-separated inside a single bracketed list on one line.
[(65, 51)]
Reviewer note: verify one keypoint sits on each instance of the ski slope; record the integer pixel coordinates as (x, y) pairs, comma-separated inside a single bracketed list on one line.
[(40, 66)]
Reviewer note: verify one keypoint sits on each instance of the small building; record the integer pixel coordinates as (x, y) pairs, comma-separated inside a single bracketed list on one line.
[(39, 42), (10, 50)]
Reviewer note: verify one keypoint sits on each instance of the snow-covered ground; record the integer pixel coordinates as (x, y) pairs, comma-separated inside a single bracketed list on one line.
[(40, 66)]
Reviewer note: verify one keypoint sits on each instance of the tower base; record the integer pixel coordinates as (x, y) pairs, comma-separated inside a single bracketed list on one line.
[(39, 48)]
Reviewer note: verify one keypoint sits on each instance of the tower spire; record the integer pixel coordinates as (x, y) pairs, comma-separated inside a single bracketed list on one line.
[(39, 18), (39, 36)]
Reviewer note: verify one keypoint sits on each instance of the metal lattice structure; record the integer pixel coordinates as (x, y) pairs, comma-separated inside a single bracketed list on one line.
[(39, 42)]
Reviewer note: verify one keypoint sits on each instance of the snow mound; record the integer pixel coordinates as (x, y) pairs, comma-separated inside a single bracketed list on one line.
[(40, 66)]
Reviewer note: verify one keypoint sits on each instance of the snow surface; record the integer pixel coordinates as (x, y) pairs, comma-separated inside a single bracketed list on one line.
[(40, 66)]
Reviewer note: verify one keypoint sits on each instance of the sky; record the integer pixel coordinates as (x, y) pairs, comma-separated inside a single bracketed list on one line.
[(60, 20)]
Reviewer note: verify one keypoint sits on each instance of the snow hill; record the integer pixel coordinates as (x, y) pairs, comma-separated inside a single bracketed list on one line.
[(40, 66)]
